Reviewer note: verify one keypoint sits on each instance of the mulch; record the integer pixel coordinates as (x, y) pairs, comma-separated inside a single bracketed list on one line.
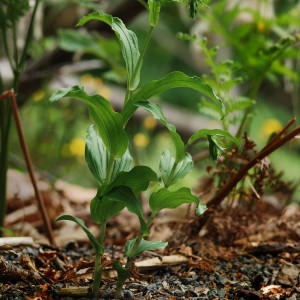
[(242, 252)]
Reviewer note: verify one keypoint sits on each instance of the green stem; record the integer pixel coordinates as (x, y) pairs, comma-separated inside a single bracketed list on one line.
[(168, 183), (98, 257), (110, 168), (131, 258)]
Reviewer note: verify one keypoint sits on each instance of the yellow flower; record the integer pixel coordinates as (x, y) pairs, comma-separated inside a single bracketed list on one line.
[(271, 126), (38, 95), (86, 79), (261, 26), (105, 92), (95, 85), (150, 122), (77, 147), (141, 140)]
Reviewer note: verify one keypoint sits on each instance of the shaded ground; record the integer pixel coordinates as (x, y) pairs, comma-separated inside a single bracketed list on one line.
[(243, 252)]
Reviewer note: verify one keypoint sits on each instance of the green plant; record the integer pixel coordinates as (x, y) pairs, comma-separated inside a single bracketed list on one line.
[(108, 156), (10, 13), (263, 50)]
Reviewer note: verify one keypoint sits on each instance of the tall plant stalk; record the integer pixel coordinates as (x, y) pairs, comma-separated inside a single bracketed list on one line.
[(16, 61)]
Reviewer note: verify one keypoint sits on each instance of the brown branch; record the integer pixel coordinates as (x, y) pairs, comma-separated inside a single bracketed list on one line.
[(274, 144), (11, 95)]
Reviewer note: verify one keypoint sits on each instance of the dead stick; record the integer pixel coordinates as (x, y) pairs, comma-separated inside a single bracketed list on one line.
[(42, 208), (218, 198)]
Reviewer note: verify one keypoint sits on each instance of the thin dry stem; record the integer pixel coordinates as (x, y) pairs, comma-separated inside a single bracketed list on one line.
[(11, 95), (274, 144)]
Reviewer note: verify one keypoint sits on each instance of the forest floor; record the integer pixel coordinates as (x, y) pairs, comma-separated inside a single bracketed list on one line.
[(243, 252)]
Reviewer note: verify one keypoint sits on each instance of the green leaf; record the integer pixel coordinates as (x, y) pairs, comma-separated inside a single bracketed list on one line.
[(239, 103), (128, 42), (203, 133), (200, 209), (165, 199), (103, 209), (215, 147), (97, 158), (123, 273), (157, 113), (109, 123), (137, 179), (166, 167), (154, 10), (11, 11), (72, 40), (96, 245), (133, 204), (172, 80), (143, 246)]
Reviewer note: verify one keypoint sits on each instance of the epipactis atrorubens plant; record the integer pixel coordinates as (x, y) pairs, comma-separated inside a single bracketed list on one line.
[(109, 159)]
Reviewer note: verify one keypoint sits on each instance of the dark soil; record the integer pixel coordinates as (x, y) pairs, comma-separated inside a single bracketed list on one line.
[(45, 272), (243, 252)]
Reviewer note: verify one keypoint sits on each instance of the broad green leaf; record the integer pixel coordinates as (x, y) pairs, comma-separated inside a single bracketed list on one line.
[(170, 173), (133, 204), (109, 123), (143, 246), (154, 10), (165, 199), (170, 81), (96, 245), (137, 179), (203, 133), (128, 42), (157, 113), (97, 158), (103, 209)]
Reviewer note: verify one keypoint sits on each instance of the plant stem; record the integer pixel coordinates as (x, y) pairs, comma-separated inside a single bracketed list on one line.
[(98, 257), (110, 169), (41, 205), (130, 258), (5, 107), (170, 178)]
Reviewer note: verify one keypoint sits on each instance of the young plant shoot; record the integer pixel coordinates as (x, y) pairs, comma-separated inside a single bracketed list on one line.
[(109, 159)]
